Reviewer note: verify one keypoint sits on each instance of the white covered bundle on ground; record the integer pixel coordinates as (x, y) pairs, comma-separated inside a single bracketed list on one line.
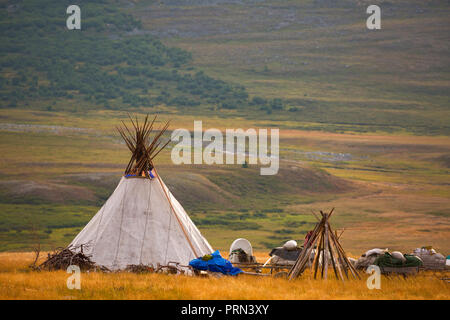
[(431, 259), (368, 258), (241, 251), (285, 255), (289, 252), (141, 224)]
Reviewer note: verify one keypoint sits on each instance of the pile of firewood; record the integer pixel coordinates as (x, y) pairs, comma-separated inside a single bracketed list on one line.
[(139, 268), (62, 258), (170, 268)]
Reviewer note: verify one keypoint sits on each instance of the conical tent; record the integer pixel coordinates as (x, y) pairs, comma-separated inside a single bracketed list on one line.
[(141, 222)]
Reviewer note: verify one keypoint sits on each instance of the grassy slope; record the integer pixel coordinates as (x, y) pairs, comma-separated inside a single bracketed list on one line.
[(321, 58), (395, 187)]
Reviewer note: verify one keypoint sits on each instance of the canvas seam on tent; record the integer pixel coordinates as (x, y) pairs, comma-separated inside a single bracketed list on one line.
[(146, 220), (101, 218), (98, 227), (120, 228), (168, 237)]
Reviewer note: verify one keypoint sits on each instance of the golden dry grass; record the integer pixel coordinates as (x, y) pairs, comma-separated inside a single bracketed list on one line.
[(17, 282)]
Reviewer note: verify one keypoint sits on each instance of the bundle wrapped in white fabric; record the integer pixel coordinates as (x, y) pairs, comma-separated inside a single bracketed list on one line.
[(438, 256), (290, 245), (429, 254), (368, 258), (398, 255), (425, 250), (431, 259), (375, 251)]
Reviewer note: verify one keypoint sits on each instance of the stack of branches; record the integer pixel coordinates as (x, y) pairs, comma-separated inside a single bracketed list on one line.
[(139, 268), (62, 258), (328, 249), (143, 148), (170, 268)]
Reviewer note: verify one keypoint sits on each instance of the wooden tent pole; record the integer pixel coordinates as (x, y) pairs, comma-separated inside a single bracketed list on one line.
[(335, 259), (304, 256), (332, 259), (325, 248), (323, 254), (350, 266), (316, 256)]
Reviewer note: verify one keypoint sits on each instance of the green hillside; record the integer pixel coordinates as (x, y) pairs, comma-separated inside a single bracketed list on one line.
[(312, 63), (48, 67), (331, 72)]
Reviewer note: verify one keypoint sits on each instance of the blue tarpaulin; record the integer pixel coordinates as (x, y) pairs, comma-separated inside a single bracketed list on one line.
[(215, 264)]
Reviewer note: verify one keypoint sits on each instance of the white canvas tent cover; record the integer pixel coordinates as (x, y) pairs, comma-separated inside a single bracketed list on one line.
[(139, 225)]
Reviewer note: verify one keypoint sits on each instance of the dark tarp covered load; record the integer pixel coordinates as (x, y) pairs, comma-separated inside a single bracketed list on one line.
[(290, 255), (387, 260), (215, 263), (240, 256)]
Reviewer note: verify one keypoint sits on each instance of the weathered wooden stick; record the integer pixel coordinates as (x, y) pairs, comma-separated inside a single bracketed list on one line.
[(316, 256), (334, 261), (303, 253), (331, 212), (315, 215), (351, 267), (306, 258), (344, 257), (323, 256), (340, 234), (301, 261), (325, 259), (340, 255)]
